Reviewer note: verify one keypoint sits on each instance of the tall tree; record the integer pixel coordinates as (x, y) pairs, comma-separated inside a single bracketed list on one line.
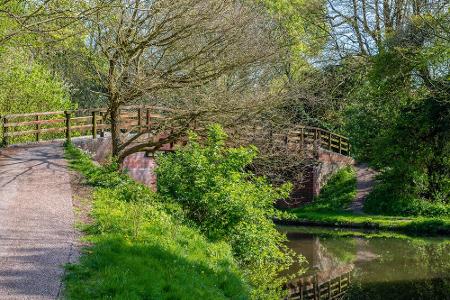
[(149, 47)]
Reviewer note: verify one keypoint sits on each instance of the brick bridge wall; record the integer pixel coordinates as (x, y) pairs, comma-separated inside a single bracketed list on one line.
[(141, 168), (325, 164), (138, 166)]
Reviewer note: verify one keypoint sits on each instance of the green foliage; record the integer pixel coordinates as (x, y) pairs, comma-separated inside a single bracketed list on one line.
[(28, 86), (417, 182), (339, 191), (229, 204), (399, 120), (303, 21), (140, 250)]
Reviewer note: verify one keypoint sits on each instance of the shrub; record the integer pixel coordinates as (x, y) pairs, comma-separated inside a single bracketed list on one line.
[(229, 204), (391, 198)]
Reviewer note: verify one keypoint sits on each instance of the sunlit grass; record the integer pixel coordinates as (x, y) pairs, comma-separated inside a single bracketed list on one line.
[(140, 251)]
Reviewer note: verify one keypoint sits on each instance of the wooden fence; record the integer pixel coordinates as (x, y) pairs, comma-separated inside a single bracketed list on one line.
[(18, 128), (295, 139), (67, 124), (333, 289)]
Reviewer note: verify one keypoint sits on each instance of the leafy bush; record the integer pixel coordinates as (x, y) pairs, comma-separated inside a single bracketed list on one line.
[(339, 191), (138, 250), (229, 204), (392, 197)]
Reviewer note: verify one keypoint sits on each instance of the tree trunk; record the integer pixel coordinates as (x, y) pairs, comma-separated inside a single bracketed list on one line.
[(115, 130)]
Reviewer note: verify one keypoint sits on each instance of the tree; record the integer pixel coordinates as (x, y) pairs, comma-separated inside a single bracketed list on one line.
[(150, 47)]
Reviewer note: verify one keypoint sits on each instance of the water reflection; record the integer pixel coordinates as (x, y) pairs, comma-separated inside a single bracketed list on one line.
[(383, 267)]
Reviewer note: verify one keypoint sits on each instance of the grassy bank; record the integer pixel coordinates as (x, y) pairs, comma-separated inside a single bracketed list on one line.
[(331, 209), (413, 225), (140, 249)]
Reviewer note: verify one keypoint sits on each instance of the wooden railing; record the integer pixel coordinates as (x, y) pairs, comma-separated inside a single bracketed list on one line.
[(295, 139), (314, 290), (67, 124), (37, 127)]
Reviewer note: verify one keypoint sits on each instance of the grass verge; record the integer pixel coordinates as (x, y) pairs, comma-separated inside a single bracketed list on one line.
[(139, 249), (411, 225)]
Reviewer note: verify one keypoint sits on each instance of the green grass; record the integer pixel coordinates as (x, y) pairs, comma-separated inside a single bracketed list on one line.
[(415, 225), (329, 210), (138, 248), (339, 191)]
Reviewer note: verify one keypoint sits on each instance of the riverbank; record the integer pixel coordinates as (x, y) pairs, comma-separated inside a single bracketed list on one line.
[(137, 247), (344, 219)]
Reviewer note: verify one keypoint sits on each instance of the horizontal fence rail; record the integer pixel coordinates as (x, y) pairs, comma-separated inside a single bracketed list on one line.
[(36, 127)]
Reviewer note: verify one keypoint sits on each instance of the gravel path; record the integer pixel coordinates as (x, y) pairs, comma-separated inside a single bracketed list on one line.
[(365, 180), (36, 221)]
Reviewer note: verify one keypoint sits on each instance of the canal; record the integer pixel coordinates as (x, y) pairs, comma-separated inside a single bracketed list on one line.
[(382, 265)]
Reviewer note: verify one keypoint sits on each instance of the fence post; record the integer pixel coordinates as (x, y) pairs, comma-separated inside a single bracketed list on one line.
[(329, 289), (340, 284), (94, 124), (316, 288), (303, 137), (67, 114), (38, 128), (147, 118), (329, 141), (102, 129), (5, 132), (171, 143), (139, 119), (286, 141)]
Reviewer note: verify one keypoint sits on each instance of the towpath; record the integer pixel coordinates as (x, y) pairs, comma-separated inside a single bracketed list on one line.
[(37, 235)]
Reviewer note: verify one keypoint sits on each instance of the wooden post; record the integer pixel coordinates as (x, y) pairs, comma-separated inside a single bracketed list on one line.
[(5, 132), (329, 141), (340, 145), (301, 292), (303, 137), (329, 289), (94, 124), (102, 129), (147, 118), (316, 287), (139, 119), (171, 143), (340, 284), (38, 129), (67, 113)]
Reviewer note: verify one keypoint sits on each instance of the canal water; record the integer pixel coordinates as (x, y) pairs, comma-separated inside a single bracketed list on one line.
[(383, 265)]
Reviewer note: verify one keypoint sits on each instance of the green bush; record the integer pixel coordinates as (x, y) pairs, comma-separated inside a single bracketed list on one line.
[(138, 248), (393, 198), (229, 204)]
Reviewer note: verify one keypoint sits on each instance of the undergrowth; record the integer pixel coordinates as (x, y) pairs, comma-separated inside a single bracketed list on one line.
[(206, 234), (140, 250)]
